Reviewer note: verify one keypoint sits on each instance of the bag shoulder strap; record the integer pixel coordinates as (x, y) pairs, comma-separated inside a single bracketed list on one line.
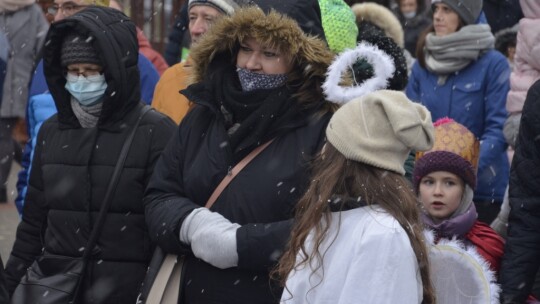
[(98, 226), (234, 171)]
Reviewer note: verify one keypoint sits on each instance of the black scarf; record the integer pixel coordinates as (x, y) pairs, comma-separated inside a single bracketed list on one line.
[(251, 118)]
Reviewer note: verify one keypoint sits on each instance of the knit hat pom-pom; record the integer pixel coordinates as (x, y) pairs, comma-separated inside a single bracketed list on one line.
[(442, 121)]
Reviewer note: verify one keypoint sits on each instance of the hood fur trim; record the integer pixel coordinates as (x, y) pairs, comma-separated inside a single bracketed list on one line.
[(382, 18), (275, 30)]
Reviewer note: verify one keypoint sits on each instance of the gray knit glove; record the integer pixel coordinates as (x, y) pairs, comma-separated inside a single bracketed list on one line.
[(511, 128), (212, 237)]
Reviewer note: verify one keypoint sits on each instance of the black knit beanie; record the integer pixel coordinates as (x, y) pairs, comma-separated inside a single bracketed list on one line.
[(78, 49), (372, 34)]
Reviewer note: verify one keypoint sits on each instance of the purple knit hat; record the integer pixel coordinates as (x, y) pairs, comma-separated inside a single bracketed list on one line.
[(456, 150)]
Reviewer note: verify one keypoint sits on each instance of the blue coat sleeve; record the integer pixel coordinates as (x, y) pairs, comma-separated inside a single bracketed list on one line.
[(413, 90), (497, 87), (149, 79), (22, 177), (38, 84), (40, 107)]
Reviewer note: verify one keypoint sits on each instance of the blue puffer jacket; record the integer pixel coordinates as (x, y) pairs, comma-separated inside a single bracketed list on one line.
[(40, 108), (474, 97)]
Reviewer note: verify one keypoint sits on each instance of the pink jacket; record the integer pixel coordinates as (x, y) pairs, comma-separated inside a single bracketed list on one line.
[(527, 58), (530, 8)]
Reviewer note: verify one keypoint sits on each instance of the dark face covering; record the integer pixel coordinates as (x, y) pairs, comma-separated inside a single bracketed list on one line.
[(251, 81)]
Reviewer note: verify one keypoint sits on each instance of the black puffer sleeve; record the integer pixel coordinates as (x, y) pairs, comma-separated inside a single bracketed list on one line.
[(521, 260)]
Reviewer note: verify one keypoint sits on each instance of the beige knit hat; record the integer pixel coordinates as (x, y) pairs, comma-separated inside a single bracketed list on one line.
[(380, 129)]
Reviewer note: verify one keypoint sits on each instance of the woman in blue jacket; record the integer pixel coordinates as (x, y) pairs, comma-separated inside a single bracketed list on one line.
[(459, 75)]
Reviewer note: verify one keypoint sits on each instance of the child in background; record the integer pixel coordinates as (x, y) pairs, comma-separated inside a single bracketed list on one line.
[(445, 179), (358, 227)]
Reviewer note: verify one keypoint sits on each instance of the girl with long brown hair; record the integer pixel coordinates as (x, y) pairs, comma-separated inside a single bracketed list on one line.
[(358, 235)]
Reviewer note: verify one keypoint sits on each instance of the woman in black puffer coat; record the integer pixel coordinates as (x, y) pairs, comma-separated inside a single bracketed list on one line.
[(76, 152), (240, 105)]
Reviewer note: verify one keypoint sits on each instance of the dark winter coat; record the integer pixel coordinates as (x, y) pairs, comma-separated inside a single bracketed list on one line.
[(521, 260), (173, 49), (412, 28), (263, 195), (4, 297), (72, 167), (502, 14)]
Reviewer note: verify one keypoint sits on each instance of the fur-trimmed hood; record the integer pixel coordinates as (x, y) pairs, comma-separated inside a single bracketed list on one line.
[(381, 17), (219, 45)]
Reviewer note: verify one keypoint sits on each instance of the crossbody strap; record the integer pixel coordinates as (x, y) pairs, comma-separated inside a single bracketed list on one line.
[(234, 171), (98, 226)]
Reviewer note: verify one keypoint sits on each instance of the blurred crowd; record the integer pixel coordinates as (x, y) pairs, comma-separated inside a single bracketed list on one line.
[(296, 151)]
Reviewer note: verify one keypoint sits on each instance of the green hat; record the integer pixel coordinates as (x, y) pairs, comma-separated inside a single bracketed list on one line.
[(339, 24)]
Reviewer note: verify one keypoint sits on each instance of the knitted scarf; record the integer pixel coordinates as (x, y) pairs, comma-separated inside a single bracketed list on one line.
[(454, 226), (460, 222), (88, 116), (453, 52), (251, 118)]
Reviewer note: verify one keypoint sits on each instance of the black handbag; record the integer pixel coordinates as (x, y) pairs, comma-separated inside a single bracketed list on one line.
[(56, 278)]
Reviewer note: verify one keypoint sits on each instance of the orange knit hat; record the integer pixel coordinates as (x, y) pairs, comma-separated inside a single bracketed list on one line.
[(455, 150)]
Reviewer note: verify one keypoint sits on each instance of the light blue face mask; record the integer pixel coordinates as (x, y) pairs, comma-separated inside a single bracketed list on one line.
[(86, 90), (409, 15)]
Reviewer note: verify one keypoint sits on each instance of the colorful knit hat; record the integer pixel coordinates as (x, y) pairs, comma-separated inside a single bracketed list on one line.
[(467, 10), (224, 6), (456, 150), (339, 25), (78, 49)]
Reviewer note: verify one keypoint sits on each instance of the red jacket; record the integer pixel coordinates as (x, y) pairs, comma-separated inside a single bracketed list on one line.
[(146, 49), (488, 244)]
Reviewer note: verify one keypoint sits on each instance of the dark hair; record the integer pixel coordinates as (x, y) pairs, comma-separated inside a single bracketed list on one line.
[(420, 5), (505, 39), (333, 174)]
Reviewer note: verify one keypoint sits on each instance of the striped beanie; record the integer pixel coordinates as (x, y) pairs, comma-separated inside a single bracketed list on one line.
[(225, 6)]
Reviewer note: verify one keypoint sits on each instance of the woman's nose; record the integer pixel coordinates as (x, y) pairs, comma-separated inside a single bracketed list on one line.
[(253, 62)]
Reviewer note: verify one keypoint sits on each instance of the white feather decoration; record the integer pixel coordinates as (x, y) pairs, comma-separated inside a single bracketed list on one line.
[(460, 274), (383, 68)]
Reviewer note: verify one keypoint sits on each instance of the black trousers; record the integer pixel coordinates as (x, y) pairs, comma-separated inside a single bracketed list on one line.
[(7, 148)]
